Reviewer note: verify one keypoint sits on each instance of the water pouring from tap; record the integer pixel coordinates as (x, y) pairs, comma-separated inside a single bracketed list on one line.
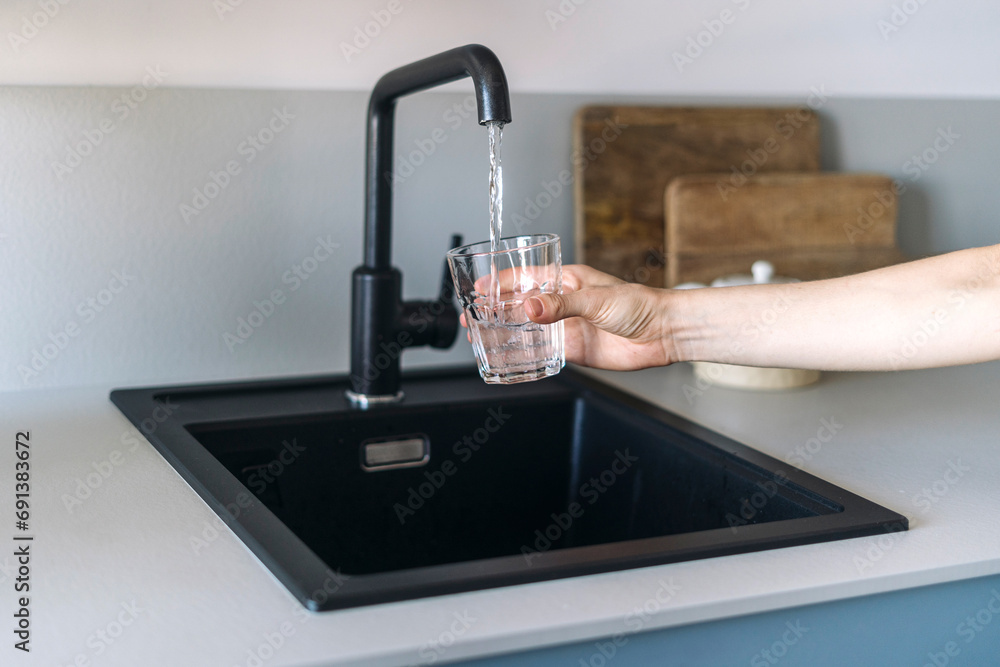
[(496, 205)]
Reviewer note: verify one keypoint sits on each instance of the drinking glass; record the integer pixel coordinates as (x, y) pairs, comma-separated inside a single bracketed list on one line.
[(492, 287)]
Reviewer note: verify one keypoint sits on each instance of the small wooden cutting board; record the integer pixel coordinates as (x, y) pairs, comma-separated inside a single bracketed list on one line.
[(810, 226)]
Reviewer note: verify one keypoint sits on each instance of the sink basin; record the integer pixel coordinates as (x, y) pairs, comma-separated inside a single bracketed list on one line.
[(464, 486)]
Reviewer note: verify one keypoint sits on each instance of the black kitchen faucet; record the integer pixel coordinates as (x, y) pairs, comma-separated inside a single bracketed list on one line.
[(382, 324)]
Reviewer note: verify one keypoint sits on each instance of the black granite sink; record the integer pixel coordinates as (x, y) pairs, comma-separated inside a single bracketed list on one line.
[(464, 486)]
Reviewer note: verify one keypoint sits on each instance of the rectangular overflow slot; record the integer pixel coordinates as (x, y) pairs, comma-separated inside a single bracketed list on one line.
[(400, 452)]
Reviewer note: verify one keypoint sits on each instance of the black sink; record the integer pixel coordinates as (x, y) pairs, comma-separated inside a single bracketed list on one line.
[(464, 486)]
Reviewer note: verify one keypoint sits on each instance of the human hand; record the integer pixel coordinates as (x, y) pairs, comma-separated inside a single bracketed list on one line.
[(609, 323)]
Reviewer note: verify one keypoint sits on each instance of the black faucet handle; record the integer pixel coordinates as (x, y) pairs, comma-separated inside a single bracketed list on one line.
[(435, 322), (444, 329)]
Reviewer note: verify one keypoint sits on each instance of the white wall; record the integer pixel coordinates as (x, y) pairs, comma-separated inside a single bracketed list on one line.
[(770, 47)]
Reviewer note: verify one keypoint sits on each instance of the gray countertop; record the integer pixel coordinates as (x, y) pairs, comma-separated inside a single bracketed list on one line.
[(129, 566)]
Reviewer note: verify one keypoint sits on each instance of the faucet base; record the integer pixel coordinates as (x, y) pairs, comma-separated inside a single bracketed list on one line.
[(365, 401)]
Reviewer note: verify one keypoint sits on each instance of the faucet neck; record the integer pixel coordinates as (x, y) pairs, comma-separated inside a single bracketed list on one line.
[(493, 104)]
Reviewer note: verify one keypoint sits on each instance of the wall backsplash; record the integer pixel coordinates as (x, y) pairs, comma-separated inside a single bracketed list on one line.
[(175, 235)]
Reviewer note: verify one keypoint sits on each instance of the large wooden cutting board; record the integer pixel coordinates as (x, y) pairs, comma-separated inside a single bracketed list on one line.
[(624, 157), (808, 225)]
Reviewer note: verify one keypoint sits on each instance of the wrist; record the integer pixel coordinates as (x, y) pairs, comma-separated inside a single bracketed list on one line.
[(682, 324)]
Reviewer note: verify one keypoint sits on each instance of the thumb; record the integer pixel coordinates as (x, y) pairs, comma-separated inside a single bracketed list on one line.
[(549, 308)]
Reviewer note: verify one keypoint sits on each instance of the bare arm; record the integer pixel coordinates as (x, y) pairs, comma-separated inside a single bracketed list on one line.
[(939, 311)]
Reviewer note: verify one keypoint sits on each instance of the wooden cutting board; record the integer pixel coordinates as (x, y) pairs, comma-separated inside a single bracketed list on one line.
[(810, 226), (624, 157)]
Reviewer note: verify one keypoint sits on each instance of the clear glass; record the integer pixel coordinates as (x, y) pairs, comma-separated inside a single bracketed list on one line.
[(509, 347)]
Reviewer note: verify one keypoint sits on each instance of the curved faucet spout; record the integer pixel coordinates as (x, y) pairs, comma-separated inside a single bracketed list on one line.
[(473, 60), (493, 104)]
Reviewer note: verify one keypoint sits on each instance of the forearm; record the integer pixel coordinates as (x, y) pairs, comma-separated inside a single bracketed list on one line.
[(934, 312)]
